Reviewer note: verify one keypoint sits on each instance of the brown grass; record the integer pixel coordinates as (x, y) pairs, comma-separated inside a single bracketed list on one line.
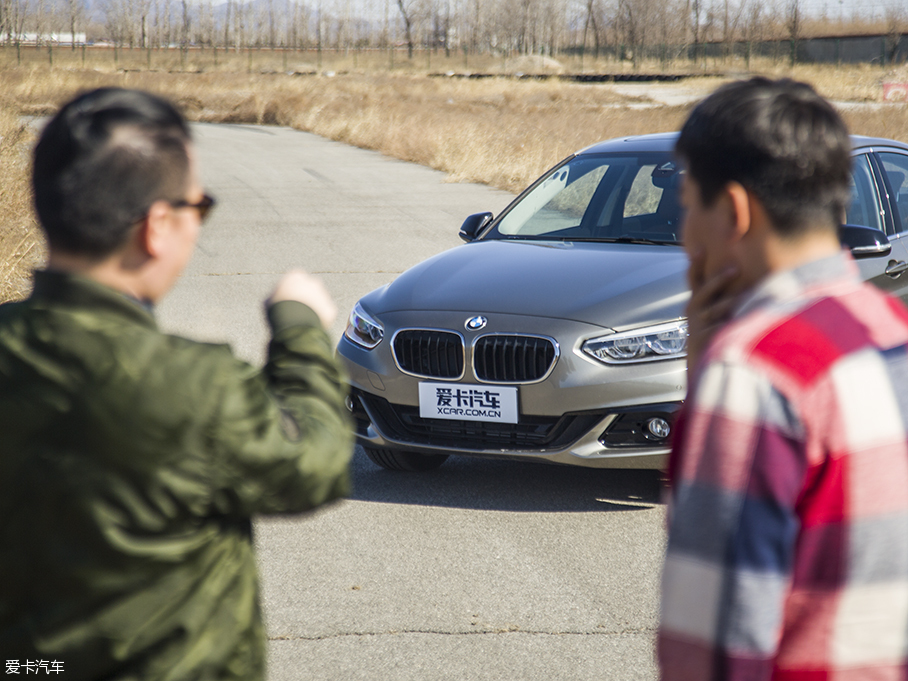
[(501, 132), (497, 131), (20, 245)]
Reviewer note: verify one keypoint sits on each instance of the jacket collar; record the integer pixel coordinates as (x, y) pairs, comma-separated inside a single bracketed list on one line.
[(78, 291)]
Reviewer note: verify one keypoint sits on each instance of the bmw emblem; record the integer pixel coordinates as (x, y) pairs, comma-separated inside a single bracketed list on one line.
[(476, 323)]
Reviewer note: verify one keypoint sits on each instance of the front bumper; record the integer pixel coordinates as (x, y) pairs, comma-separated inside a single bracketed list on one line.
[(596, 439), (573, 416)]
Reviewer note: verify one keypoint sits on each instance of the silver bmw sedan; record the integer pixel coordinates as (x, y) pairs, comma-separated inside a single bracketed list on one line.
[(557, 332)]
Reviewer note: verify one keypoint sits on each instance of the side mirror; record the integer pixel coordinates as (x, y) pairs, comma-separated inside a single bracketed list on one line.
[(864, 242), (473, 225)]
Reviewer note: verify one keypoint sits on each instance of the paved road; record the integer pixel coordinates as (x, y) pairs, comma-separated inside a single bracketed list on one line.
[(480, 570)]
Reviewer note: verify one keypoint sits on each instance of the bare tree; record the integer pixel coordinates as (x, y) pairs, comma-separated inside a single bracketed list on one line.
[(752, 27), (301, 18), (695, 13), (527, 27), (896, 16), (473, 19), (318, 31), (731, 21), (671, 29), (184, 28), (794, 27), (447, 28), (590, 21), (6, 19), (636, 20), (476, 26), (259, 13), (728, 31), (142, 9), (408, 10), (158, 33), (116, 13), (207, 24), (76, 13), (167, 35), (20, 15), (227, 17), (40, 21)]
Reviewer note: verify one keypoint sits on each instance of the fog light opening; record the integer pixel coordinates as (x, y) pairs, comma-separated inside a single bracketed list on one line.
[(659, 427), (645, 426)]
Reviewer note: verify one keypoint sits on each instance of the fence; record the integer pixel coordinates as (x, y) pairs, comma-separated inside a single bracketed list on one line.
[(873, 49)]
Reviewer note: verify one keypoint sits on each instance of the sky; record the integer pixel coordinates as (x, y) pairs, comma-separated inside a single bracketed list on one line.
[(846, 9)]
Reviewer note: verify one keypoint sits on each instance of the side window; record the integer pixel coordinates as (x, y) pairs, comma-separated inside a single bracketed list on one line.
[(864, 208), (896, 168)]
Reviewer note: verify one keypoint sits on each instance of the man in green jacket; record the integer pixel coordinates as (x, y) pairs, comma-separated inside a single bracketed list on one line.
[(132, 461)]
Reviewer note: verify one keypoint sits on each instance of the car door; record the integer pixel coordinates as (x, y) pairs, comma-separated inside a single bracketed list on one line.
[(870, 208)]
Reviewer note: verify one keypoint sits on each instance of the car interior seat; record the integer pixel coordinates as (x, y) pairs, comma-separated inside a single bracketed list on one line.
[(669, 209)]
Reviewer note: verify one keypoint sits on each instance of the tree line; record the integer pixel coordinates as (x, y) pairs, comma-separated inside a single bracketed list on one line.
[(628, 29)]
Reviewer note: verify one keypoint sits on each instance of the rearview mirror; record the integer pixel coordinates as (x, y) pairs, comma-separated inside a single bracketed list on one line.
[(473, 225), (864, 242)]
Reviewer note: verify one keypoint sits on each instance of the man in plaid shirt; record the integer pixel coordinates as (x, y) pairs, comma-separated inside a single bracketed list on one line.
[(788, 532)]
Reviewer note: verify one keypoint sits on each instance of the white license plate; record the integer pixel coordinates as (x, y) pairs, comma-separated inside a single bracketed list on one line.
[(460, 402)]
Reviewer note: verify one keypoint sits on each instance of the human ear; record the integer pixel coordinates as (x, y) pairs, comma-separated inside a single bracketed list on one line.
[(155, 230), (740, 207)]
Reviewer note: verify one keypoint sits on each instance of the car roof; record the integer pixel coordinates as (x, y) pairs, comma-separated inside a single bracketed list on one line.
[(665, 142), (660, 141), (861, 141)]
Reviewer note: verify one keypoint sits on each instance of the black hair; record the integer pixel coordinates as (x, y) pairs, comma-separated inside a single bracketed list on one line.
[(101, 162), (781, 141)]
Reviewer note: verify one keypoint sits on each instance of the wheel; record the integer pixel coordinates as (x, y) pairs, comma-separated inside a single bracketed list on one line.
[(405, 461)]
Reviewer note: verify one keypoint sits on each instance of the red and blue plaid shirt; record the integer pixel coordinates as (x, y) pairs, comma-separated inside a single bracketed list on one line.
[(788, 520)]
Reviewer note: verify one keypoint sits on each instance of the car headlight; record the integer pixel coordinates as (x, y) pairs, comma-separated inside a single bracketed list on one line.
[(363, 329), (664, 341)]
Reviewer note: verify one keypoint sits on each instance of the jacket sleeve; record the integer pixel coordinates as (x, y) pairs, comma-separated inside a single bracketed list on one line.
[(281, 436), (732, 530)]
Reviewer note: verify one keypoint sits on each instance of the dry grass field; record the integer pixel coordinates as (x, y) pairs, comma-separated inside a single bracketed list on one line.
[(497, 131), (21, 248)]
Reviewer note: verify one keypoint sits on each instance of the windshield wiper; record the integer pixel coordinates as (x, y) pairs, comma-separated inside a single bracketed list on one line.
[(634, 240), (588, 239)]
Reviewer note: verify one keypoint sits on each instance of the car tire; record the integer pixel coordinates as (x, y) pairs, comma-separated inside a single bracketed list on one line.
[(405, 461)]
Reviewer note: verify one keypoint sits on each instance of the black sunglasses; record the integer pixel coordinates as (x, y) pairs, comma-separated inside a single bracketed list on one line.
[(203, 205)]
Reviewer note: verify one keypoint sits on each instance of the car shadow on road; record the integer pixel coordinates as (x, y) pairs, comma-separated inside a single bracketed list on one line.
[(505, 485)]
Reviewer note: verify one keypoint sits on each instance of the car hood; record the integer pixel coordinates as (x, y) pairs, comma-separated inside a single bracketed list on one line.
[(611, 285)]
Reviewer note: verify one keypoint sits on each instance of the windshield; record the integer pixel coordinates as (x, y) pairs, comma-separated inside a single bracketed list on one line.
[(603, 197)]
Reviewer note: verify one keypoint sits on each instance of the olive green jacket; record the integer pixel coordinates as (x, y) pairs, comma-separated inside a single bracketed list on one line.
[(130, 464)]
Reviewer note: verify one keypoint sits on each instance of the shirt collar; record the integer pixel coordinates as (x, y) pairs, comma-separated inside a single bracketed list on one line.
[(811, 279)]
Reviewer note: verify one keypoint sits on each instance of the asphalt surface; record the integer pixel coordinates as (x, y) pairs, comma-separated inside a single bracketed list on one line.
[(480, 570)]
